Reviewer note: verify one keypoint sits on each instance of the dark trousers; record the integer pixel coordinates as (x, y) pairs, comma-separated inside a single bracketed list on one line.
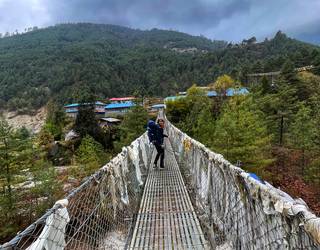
[(160, 154)]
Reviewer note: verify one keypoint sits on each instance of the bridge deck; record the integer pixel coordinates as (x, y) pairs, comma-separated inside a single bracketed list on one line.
[(166, 219)]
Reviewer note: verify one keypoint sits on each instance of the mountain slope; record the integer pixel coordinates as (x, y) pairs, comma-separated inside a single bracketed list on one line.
[(63, 61)]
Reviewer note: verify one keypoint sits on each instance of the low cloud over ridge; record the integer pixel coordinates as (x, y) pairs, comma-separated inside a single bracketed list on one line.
[(230, 20)]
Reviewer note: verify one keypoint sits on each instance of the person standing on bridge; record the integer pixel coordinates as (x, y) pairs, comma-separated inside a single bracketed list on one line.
[(156, 136)]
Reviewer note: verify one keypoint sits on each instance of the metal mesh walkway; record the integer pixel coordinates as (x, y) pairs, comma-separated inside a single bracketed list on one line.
[(166, 219)]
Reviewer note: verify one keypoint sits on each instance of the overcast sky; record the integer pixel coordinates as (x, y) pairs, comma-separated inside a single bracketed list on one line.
[(231, 20)]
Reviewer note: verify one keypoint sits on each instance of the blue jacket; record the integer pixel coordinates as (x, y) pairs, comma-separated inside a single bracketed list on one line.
[(155, 133)]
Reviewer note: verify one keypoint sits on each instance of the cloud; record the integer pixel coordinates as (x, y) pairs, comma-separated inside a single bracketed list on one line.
[(231, 20), (20, 14)]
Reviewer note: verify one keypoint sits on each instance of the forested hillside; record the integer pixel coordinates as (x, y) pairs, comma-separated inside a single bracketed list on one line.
[(61, 61)]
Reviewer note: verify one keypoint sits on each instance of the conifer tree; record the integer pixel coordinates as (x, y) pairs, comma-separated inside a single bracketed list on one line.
[(204, 127), (18, 157), (87, 124), (55, 119), (241, 134), (90, 154), (6, 159), (280, 105), (303, 132), (265, 86), (288, 73), (133, 125), (316, 64)]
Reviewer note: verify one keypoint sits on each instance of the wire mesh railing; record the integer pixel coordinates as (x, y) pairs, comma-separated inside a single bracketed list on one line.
[(237, 211), (100, 213)]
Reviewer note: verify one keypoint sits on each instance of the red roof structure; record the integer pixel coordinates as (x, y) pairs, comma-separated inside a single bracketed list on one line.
[(129, 98)]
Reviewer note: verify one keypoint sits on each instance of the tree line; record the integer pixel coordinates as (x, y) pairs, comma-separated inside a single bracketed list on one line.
[(113, 61), (273, 131)]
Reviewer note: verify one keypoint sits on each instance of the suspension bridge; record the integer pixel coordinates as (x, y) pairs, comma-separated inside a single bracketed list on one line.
[(199, 201), (255, 78)]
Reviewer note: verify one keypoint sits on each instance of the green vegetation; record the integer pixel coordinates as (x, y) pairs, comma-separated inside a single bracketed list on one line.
[(132, 126), (241, 134), (233, 127), (57, 62), (223, 83), (55, 120), (274, 131), (28, 181), (255, 131), (90, 155), (86, 124)]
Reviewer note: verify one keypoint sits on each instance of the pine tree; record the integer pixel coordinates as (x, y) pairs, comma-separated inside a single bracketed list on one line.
[(178, 110), (16, 155), (87, 124), (303, 132), (55, 120), (288, 73), (204, 127), (316, 64), (285, 106), (279, 107), (258, 67), (133, 125), (197, 102), (241, 134), (90, 155), (265, 86), (6, 160), (46, 185)]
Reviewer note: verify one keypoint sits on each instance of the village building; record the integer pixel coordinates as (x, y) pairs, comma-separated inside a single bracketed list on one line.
[(109, 124), (211, 93), (72, 110), (122, 99), (109, 121), (229, 92), (119, 108)]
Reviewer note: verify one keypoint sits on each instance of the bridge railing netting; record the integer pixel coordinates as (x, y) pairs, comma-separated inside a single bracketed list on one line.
[(237, 211), (97, 215)]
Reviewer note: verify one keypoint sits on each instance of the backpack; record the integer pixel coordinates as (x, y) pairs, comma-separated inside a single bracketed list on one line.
[(152, 130)]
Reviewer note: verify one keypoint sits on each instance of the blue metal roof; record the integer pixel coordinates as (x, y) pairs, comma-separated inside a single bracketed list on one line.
[(119, 105), (72, 105), (212, 93), (239, 91), (76, 111), (230, 92)]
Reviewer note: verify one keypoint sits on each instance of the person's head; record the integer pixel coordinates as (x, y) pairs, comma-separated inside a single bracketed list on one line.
[(161, 123)]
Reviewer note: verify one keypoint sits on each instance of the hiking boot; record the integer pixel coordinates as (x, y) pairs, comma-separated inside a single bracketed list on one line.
[(162, 167)]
